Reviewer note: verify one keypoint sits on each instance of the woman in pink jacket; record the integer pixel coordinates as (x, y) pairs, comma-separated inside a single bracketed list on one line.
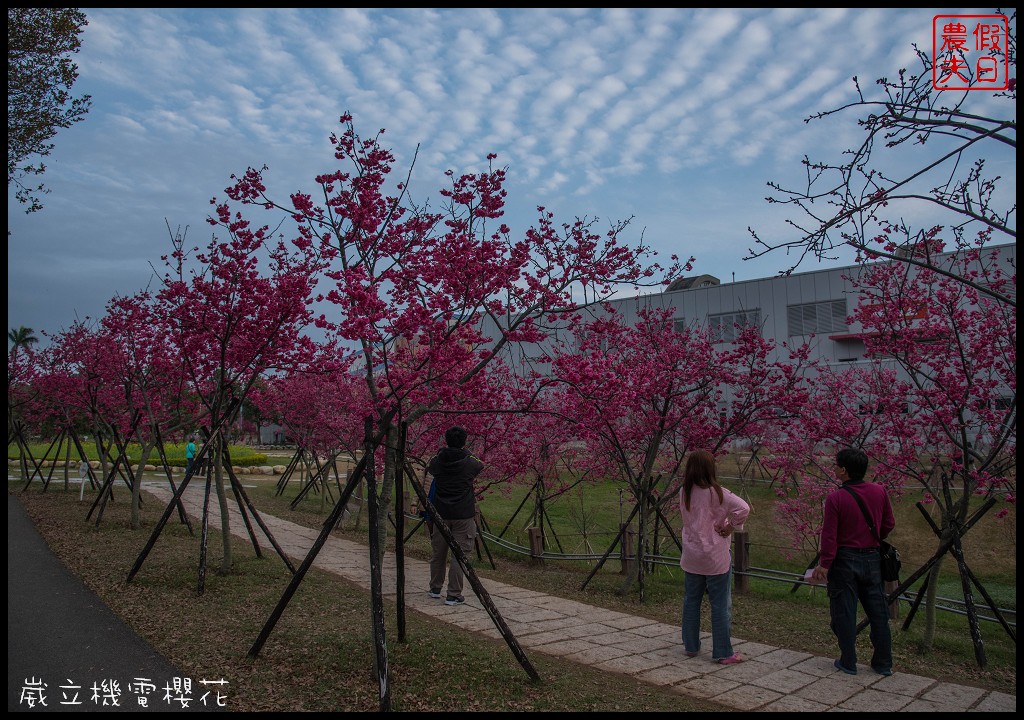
[(710, 514)]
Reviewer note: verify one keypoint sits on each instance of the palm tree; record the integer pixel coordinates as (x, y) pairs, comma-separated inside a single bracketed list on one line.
[(22, 337)]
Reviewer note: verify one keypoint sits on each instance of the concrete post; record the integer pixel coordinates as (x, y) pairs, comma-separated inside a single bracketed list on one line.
[(628, 550), (894, 606), (536, 546)]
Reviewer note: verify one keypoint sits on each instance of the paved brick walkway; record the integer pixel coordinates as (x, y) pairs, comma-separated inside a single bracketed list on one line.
[(772, 678)]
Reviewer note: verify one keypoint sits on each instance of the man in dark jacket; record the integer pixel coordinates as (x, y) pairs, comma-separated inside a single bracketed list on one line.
[(454, 469)]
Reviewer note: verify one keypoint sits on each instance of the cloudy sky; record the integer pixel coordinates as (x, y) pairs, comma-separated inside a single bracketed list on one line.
[(675, 117)]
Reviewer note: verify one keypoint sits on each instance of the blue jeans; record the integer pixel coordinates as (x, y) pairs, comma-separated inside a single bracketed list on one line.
[(856, 574), (717, 588)]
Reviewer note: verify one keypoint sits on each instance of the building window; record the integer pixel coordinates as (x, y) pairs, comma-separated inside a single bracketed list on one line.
[(726, 327), (880, 408), (1002, 403), (583, 336), (817, 318)]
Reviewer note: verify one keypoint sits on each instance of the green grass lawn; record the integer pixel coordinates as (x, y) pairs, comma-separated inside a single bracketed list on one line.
[(175, 453)]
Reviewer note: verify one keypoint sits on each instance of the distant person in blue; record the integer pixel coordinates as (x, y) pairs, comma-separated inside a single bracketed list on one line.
[(454, 469), (190, 456)]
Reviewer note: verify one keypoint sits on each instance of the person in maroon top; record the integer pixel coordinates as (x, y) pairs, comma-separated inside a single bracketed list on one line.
[(850, 562)]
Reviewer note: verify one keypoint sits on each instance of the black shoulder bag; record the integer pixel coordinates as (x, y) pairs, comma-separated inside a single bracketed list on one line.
[(890, 556)]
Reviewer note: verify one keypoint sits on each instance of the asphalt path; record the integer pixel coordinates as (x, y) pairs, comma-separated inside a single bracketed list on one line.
[(68, 652)]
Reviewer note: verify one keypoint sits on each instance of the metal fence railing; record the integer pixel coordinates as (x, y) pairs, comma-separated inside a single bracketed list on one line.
[(945, 604)]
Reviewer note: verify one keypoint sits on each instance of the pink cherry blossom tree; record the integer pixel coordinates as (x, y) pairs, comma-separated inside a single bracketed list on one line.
[(76, 391), (631, 392), (321, 410), (642, 396), (863, 407), (935, 408), (432, 298), (235, 311), (534, 449), (142, 364), (957, 346), (926, 169)]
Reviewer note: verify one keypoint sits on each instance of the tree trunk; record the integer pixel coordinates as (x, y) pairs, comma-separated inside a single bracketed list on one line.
[(23, 452), (102, 454), (147, 450), (324, 478), (633, 575), (931, 591), (67, 463), (222, 501), (647, 528), (386, 485)]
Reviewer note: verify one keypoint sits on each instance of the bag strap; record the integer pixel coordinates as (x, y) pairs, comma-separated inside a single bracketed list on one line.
[(863, 509)]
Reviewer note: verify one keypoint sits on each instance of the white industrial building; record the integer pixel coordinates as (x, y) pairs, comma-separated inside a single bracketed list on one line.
[(814, 307)]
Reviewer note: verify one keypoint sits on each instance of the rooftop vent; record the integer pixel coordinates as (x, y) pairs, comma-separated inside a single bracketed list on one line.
[(697, 281)]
